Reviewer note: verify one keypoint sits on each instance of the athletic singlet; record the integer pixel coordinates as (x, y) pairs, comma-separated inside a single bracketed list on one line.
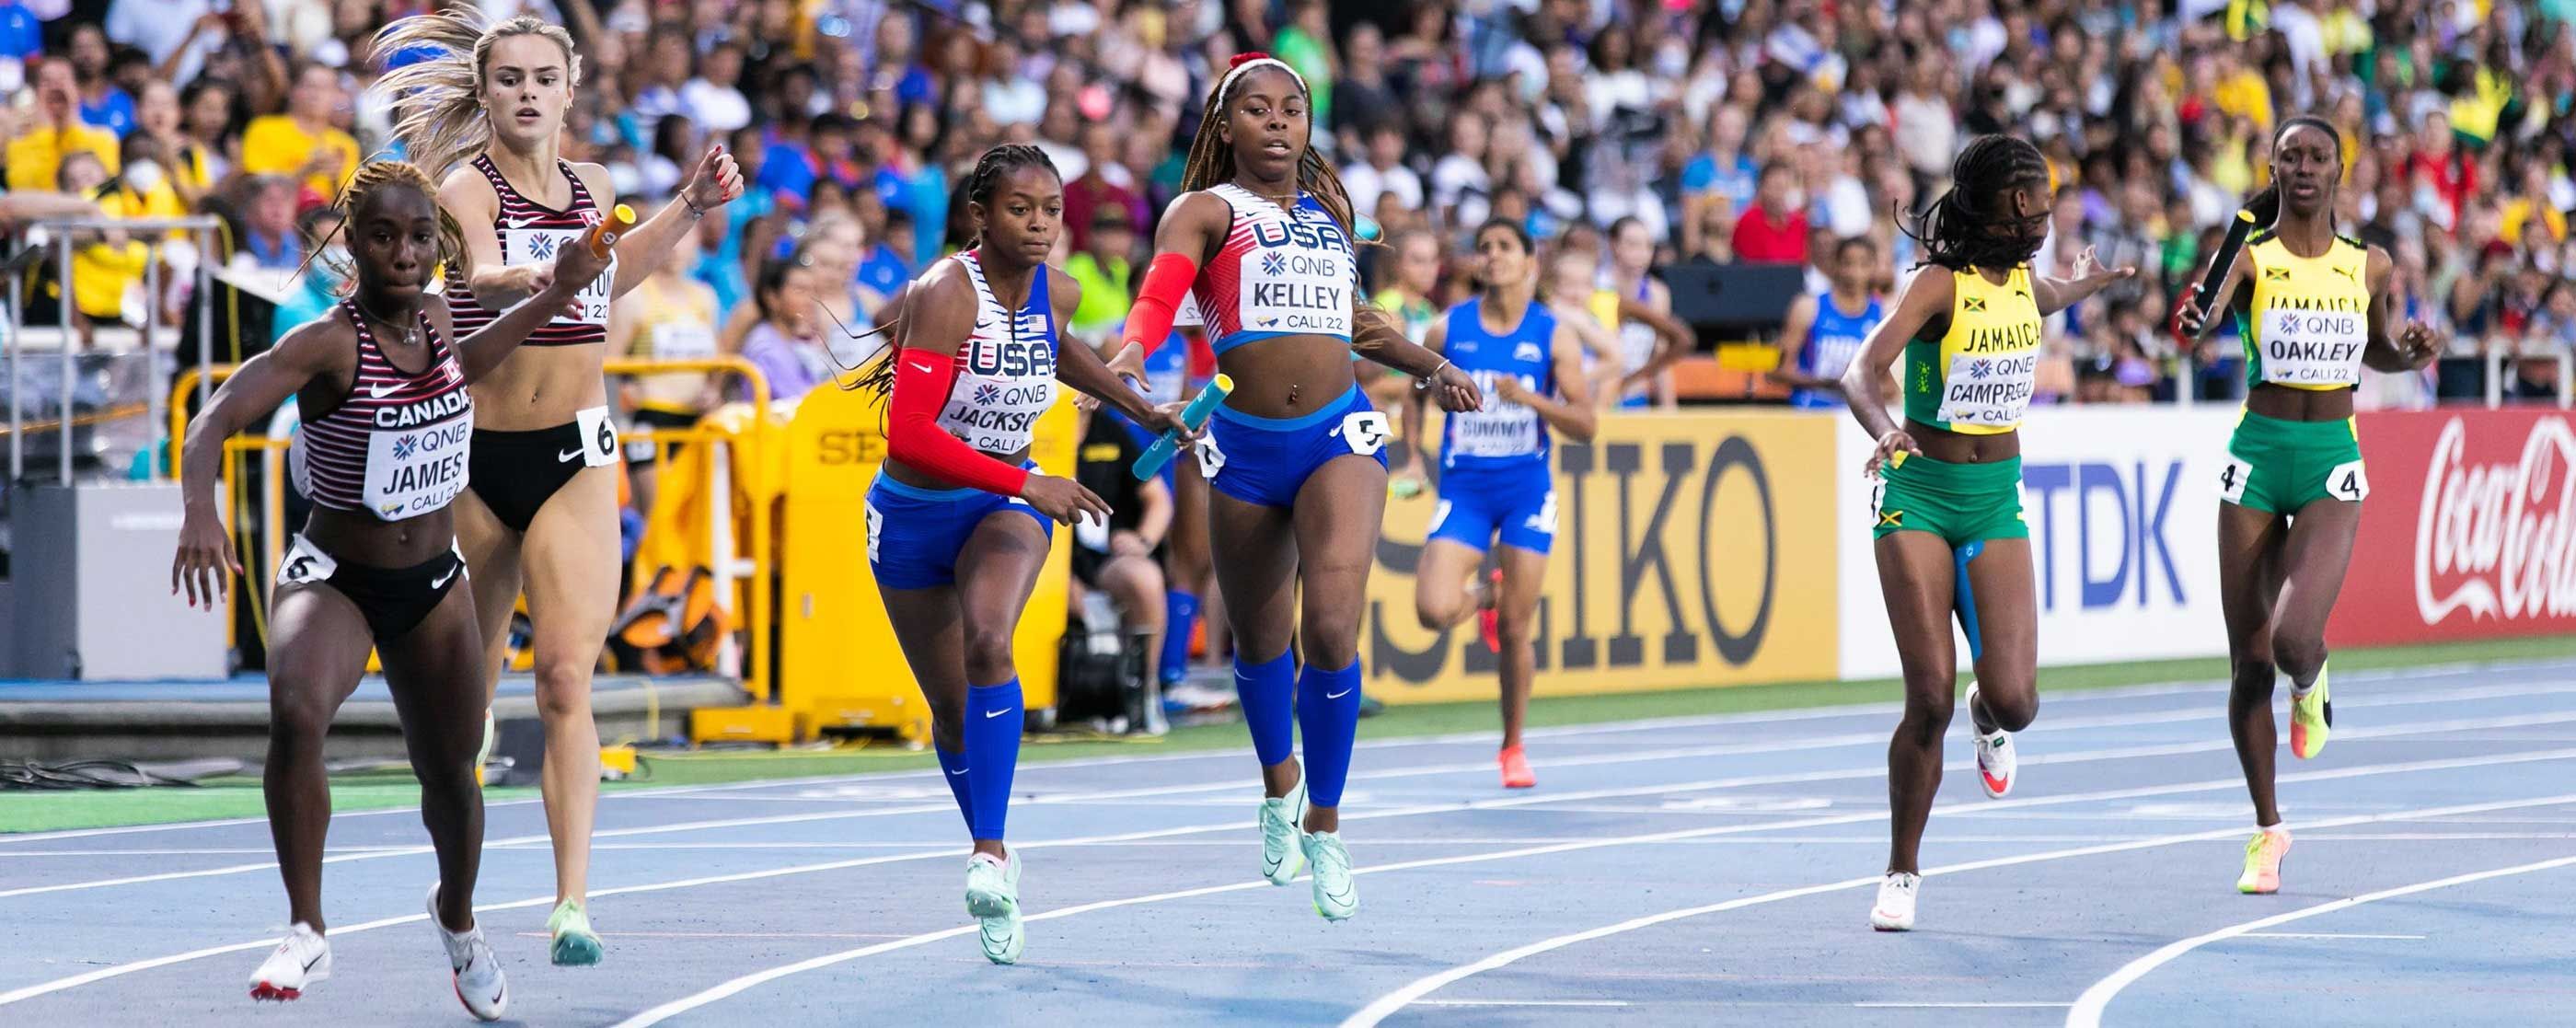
[(530, 233), (672, 323), (1006, 370), (1833, 339), (2310, 319), (1502, 432), (396, 447), (1278, 273), (1978, 377)]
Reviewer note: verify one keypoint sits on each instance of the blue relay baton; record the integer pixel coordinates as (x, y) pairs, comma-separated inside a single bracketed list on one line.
[(1194, 415)]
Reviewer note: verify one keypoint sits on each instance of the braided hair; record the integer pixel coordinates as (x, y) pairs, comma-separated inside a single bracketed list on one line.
[(1211, 163), (996, 166), (441, 99), (1953, 232), (373, 179)]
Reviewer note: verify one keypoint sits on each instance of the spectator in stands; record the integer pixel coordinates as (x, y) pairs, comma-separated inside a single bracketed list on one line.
[(1774, 229), (107, 265), (56, 132), (101, 103), (207, 117), (268, 235), (1380, 174), (783, 340), (1103, 269), (157, 135), (1122, 556), (714, 99), (304, 142), (887, 265), (318, 289), (1104, 182)]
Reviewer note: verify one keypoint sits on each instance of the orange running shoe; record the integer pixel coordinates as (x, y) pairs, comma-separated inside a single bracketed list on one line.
[(1489, 621), (2263, 856), (1516, 769)]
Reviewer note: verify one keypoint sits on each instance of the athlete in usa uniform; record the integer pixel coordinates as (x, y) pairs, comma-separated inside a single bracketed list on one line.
[(1295, 456), (387, 426), (959, 519)]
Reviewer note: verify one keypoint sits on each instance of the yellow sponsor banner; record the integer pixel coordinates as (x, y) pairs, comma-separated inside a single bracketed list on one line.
[(1691, 550)]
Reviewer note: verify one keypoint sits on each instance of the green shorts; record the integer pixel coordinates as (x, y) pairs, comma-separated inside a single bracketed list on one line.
[(2279, 467), (1961, 503)]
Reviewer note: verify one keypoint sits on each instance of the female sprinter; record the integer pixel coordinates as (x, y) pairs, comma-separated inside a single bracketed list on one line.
[(2313, 308), (383, 451), (1296, 456), (1950, 529), (1494, 478), (958, 521), (543, 514)]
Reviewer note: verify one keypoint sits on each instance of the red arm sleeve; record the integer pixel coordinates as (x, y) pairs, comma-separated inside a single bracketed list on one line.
[(921, 383), (1149, 322)]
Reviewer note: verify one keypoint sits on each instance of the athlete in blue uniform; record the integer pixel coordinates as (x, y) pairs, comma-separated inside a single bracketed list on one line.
[(1823, 333), (1494, 480)]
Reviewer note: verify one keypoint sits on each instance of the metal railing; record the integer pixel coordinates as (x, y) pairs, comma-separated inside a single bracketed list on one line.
[(155, 233), (729, 570)]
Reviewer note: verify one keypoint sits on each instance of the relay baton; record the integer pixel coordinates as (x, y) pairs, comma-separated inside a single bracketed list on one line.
[(1194, 415)]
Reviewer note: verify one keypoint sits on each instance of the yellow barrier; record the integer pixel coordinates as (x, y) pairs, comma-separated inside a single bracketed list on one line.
[(1691, 549), (760, 542), (840, 665)]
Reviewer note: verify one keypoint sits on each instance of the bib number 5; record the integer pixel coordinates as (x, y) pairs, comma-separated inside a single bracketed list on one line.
[(1366, 431)]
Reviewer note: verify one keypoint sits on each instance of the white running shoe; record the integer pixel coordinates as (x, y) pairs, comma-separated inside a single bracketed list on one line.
[(479, 984), (1282, 822), (300, 962), (993, 898), (491, 734), (1336, 896), (1894, 911), (1995, 761)]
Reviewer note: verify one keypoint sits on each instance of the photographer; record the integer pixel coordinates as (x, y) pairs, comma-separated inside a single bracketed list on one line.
[(1123, 558)]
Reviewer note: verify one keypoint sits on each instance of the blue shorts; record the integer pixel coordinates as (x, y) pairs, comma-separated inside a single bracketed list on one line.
[(1264, 461), (914, 533), (1516, 501)]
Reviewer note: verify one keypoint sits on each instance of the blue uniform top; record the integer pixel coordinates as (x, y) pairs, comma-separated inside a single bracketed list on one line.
[(1503, 434), (1833, 339)]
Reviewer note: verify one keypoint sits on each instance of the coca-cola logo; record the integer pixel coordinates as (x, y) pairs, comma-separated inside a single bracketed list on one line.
[(2495, 539)]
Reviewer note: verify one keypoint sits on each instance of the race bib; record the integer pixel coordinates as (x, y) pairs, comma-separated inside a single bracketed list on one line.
[(1211, 459), (1366, 431), (305, 563), (1992, 390), (521, 246), (2347, 483), (2231, 480), (1502, 429), (1092, 531), (1544, 522), (679, 341), (598, 438), (2313, 348), (414, 471), (1297, 277), (876, 529)]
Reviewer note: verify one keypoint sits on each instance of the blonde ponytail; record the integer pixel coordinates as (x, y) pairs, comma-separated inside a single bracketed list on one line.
[(440, 100)]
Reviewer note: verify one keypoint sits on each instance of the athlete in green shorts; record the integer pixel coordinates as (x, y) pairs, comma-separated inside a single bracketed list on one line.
[(2313, 308)]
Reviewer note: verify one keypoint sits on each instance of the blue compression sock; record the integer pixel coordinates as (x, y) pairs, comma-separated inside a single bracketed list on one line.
[(1269, 694), (1180, 617), (952, 766), (1967, 600), (1328, 711), (993, 723)]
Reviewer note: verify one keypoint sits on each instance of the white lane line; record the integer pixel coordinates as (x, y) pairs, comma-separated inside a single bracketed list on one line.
[(1814, 743), (1900, 1005), (1530, 1003), (685, 1004), (2326, 935), (2088, 1007), (57, 985), (1379, 1009), (2430, 671)]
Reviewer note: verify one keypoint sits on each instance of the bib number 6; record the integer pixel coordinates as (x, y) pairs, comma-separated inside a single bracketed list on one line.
[(1366, 431)]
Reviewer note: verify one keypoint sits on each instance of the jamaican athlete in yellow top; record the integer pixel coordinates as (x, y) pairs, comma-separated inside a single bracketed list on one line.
[(2310, 319), (1978, 377)]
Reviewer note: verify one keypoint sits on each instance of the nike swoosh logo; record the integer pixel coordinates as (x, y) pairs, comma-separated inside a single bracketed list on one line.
[(317, 958), (377, 392), (566, 456), (444, 579), (957, 772), (923, 368), (991, 714), (1337, 695)]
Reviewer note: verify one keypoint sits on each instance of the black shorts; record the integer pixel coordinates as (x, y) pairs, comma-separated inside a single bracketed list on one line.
[(515, 473), (651, 417), (393, 600)]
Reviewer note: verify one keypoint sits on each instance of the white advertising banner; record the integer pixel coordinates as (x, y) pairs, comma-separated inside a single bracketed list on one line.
[(2122, 504)]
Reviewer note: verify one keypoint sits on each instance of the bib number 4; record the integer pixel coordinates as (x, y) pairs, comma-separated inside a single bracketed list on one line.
[(2347, 483), (2231, 480)]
